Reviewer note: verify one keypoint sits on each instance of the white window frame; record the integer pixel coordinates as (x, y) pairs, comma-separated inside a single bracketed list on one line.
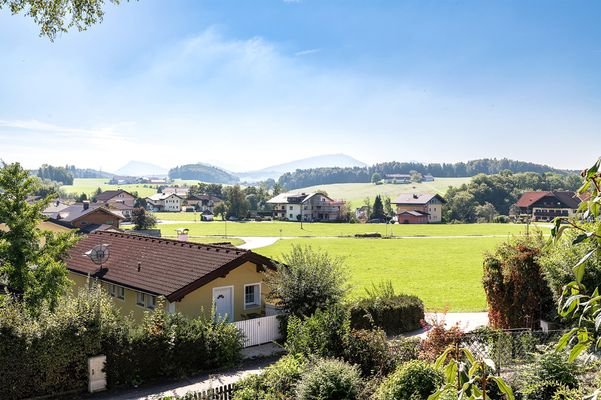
[(151, 301), (257, 302), (116, 291), (142, 296)]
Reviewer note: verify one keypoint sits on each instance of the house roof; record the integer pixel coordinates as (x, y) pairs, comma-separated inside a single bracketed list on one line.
[(283, 198), (120, 206), (203, 197), (76, 211), (417, 198), (415, 213), (54, 208), (566, 197), (167, 267), (109, 194), (162, 196)]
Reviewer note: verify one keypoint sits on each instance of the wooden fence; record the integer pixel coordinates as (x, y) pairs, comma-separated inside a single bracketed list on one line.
[(259, 330)]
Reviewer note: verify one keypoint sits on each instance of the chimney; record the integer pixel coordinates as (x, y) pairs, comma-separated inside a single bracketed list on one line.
[(139, 266), (86, 204), (182, 234), (415, 196)]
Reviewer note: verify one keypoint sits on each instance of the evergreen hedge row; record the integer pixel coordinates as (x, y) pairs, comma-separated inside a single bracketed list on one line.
[(394, 314), (47, 354)]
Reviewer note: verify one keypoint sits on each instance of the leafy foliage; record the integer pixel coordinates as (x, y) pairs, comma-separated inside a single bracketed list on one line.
[(143, 219), (575, 304), (415, 380), (307, 280), (368, 349), (330, 379), (202, 172), (59, 16), (439, 338), (516, 292), (31, 260), (549, 373), (384, 309)]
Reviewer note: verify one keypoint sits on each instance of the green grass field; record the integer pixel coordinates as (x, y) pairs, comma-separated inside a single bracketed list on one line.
[(443, 272), (89, 186), (293, 229), (357, 192)]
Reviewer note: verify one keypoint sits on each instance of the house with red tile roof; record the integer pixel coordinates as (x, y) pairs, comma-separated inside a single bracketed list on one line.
[(191, 277), (545, 206)]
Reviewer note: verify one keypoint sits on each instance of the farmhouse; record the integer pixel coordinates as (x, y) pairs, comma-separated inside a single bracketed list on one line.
[(192, 277), (419, 208), (397, 178), (203, 202), (545, 206), (164, 202), (87, 217), (119, 200), (306, 207)]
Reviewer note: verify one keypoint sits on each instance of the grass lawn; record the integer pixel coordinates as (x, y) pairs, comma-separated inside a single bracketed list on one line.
[(357, 192), (443, 272), (89, 186), (292, 229)]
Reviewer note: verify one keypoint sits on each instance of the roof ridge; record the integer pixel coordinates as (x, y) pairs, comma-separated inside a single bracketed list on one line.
[(138, 236)]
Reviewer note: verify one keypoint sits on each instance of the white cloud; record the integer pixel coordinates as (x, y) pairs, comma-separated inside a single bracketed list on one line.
[(307, 52)]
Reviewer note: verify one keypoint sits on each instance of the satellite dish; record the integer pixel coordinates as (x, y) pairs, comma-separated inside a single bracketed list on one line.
[(99, 254)]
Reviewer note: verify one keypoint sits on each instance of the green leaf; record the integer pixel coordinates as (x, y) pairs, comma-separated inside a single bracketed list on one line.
[(581, 237), (503, 387), (579, 268), (576, 350)]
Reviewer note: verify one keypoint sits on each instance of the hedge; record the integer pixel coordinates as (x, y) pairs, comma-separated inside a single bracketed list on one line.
[(394, 314), (48, 355)]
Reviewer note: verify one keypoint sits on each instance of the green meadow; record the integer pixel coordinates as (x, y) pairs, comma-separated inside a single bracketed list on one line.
[(89, 186), (446, 273)]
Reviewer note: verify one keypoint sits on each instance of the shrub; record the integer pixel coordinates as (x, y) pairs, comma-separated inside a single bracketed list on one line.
[(383, 308), (369, 351), (550, 372), (516, 292), (330, 379), (322, 334), (307, 280), (438, 339), (501, 219), (404, 349), (413, 380)]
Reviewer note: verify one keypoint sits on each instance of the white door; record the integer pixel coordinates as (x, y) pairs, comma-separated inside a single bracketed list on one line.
[(224, 304)]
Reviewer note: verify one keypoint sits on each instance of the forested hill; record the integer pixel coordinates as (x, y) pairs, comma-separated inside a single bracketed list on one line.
[(202, 172), (322, 176)]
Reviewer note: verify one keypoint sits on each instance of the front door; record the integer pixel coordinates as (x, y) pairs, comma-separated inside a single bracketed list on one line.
[(224, 305)]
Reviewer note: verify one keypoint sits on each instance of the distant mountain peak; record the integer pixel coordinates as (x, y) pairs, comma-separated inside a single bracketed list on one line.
[(141, 168)]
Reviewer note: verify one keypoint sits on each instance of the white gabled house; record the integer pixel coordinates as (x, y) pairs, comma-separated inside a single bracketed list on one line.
[(164, 202), (306, 207)]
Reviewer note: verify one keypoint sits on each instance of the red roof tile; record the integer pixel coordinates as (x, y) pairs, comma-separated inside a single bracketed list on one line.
[(171, 268)]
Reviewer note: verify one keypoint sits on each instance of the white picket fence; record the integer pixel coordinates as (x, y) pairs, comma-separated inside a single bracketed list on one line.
[(259, 330)]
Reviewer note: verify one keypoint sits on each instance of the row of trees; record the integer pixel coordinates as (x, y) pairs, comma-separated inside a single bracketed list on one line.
[(320, 176), (487, 196), (202, 172)]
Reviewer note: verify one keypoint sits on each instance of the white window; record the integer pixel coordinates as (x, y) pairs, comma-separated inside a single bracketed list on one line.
[(117, 291), (146, 300), (252, 295)]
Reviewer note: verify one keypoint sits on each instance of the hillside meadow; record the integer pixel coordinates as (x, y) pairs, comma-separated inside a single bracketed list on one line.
[(357, 192), (446, 273), (89, 186)]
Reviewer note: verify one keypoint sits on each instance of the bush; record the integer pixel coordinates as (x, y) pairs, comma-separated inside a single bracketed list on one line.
[(330, 379), (501, 219), (307, 280), (323, 334), (415, 380), (516, 292), (402, 350), (550, 372), (369, 351), (438, 339), (384, 309), (52, 350)]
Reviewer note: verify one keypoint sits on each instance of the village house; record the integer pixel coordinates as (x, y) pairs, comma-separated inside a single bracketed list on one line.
[(397, 178), (164, 202), (87, 217), (306, 207), (203, 202), (180, 191), (419, 208), (119, 200), (192, 277), (545, 206)]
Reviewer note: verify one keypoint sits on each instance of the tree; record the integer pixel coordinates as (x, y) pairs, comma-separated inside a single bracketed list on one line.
[(378, 209), (236, 203), (31, 260), (220, 209), (461, 207), (277, 189), (367, 205), (307, 280), (376, 177), (143, 219), (486, 212), (388, 210), (53, 16)]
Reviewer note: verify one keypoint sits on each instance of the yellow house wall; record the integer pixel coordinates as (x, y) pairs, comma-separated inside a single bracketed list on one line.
[(202, 298), (193, 304)]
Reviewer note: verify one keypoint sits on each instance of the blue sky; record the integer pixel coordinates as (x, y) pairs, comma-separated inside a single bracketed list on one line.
[(247, 84)]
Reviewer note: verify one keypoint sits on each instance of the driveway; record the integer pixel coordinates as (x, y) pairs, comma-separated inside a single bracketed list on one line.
[(254, 242)]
